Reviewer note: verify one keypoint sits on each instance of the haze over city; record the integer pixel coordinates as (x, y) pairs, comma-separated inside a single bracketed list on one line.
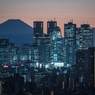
[(81, 11)]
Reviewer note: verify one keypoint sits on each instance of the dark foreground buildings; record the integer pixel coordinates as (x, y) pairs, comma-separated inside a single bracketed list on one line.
[(38, 69)]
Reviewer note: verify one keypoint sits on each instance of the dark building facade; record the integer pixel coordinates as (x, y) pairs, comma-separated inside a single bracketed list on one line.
[(38, 28), (50, 26), (85, 60), (93, 29)]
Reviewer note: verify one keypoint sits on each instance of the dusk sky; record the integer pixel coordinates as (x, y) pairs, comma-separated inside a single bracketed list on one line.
[(81, 11)]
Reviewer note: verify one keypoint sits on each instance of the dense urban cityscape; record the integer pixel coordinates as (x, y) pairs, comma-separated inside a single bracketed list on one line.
[(52, 65)]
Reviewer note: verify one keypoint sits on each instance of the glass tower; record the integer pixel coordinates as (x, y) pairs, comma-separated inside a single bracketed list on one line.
[(70, 42), (86, 34), (56, 46)]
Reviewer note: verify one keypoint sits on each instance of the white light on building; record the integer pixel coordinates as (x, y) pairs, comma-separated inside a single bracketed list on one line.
[(58, 64), (37, 64)]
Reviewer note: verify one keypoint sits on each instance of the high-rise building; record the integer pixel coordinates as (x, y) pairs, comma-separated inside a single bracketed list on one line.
[(42, 41), (93, 29), (86, 34), (44, 47), (70, 42), (50, 26), (56, 46), (81, 59), (44, 53), (85, 60), (70, 34), (91, 66), (38, 28), (78, 39)]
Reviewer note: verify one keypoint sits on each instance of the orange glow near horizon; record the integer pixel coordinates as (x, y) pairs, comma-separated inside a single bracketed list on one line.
[(81, 11)]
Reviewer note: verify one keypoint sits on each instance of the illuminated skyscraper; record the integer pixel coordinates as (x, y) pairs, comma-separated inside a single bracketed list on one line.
[(93, 29), (70, 42), (70, 34), (86, 35), (56, 46), (50, 26), (78, 39), (42, 42)]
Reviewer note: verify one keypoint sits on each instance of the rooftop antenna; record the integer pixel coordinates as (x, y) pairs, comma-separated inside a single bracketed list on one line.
[(71, 20)]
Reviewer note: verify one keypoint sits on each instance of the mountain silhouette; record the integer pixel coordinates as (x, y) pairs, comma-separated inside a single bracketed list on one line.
[(17, 31)]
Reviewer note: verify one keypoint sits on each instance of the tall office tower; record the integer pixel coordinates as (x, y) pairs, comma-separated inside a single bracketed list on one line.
[(44, 53), (70, 42), (38, 28), (85, 60), (70, 34), (93, 29), (81, 59), (78, 39), (56, 46), (91, 66), (86, 33), (44, 44), (50, 26)]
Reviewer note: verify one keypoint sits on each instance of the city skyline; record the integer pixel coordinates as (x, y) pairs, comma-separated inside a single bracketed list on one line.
[(81, 11)]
